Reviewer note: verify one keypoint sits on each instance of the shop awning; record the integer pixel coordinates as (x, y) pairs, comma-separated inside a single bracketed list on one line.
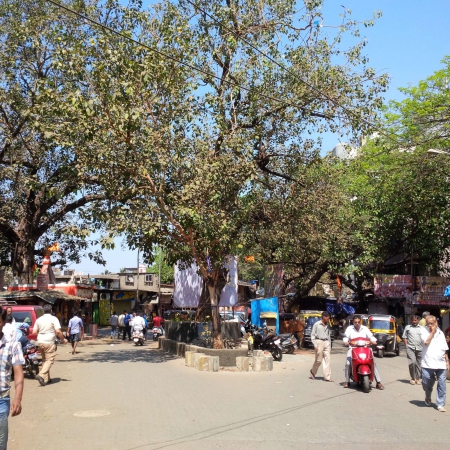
[(49, 296)]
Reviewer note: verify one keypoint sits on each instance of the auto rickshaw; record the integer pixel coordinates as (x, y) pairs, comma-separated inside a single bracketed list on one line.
[(310, 318), (384, 329)]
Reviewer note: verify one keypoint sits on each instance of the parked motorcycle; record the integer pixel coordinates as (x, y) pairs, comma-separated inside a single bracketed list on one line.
[(288, 343), (267, 340), (30, 356), (138, 337), (157, 332), (362, 368)]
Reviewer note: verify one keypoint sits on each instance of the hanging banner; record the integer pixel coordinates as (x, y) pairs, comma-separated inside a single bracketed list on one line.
[(188, 287), (229, 294), (393, 286), (432, 291)]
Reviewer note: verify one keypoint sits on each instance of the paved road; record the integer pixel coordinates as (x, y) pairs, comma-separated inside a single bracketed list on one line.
[(126, 398)]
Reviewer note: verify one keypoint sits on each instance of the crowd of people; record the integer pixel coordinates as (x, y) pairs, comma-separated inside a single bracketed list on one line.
[(426, 352), (125, 324)]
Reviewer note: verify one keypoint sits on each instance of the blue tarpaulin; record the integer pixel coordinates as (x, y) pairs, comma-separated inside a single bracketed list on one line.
[(333, 307), (265, 305)]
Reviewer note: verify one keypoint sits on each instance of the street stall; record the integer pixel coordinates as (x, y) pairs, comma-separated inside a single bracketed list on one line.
[(266, 310)]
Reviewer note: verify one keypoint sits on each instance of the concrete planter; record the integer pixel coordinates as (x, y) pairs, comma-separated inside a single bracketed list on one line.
[(227, 357), (188, 331)]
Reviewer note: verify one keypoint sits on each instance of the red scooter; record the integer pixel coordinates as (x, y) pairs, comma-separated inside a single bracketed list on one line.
[(362, 370)]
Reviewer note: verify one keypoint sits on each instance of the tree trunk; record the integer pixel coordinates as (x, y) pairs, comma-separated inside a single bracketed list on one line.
[(23, 261), (214, 295)]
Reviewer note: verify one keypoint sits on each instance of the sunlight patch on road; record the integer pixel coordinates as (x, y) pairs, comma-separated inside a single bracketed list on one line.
[(94, 413)]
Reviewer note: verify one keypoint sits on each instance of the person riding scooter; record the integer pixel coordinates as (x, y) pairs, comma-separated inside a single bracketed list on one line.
[(354, 331)]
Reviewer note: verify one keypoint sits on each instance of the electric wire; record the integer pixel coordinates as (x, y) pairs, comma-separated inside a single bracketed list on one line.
[(288, 70), (190, 66)]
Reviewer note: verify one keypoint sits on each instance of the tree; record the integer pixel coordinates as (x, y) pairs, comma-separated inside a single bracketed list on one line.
[(403, 198), (311, 229), (160, 265), (422, 119), (46, 194), (190, 147)]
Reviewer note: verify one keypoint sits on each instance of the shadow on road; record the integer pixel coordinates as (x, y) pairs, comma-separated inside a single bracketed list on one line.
[(119, 356), (418, 403)]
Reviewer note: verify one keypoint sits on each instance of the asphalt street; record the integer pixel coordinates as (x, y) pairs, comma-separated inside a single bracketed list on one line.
[(122, 397)]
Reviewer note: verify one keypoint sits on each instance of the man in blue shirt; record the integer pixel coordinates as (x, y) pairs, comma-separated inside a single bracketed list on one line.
[(75, 330), (22, 331), (127, 323)]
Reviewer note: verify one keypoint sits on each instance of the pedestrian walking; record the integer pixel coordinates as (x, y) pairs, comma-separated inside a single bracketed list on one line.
[(121, 324), (127, 322), (422, 321), (321, 339), (9, 329), (47, 328), (11, 360), (434, 362), (413, 343), (114, 320), (75, 330)]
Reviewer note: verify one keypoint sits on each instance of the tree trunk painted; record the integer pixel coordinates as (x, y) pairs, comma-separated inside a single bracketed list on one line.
[(214, 295)]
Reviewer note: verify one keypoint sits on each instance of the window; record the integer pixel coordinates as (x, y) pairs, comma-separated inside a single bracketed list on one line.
[(149, 279), (22, 316), (129, 280)]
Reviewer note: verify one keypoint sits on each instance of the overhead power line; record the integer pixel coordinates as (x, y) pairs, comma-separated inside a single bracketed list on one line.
[(290, 72), (190, 66)]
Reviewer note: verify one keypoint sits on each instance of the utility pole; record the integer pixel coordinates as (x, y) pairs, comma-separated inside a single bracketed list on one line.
[(159, 279), (137, 283)]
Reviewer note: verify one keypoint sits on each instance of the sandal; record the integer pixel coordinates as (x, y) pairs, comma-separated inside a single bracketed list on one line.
[(380, 386), (329, 381), (312, 376), (346, 385)]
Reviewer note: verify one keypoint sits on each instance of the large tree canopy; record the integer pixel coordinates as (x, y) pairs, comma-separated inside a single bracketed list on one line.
[(188, 147), (46, 195)]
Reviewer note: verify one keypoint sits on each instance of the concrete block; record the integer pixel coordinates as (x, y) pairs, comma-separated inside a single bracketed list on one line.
[(181, 349), (160, 342), (197, 356), (242, 363), (203, 363), (189, 359), (258, 353), (269, 363), (259, 364), (213, 363)]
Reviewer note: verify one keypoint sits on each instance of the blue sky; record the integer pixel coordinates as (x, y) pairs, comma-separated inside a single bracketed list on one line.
[(408, 42)]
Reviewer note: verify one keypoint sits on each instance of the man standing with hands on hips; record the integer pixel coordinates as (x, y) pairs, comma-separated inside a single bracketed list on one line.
[(321, 339), (434, 362)]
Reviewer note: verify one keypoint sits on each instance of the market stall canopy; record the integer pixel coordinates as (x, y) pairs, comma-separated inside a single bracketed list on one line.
[(49, 296)]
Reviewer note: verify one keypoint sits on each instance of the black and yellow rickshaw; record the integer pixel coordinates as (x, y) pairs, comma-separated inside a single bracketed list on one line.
[(384, 328)]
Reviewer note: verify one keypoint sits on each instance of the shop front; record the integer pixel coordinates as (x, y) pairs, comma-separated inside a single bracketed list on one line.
[(413, 295)]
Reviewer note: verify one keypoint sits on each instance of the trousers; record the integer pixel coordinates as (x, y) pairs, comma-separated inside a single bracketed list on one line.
[(48, 353), (4, 413), (323, 353), (414, 358), (428, 376)]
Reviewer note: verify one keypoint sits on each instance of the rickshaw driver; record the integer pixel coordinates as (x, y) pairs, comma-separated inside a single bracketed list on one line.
[(354, 331)]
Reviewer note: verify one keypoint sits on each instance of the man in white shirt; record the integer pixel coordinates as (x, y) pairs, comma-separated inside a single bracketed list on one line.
[(137, 323), (354, 331), (47, 327), (434, 362)]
